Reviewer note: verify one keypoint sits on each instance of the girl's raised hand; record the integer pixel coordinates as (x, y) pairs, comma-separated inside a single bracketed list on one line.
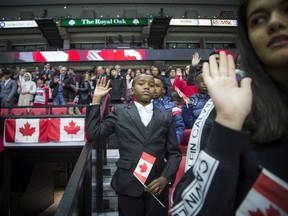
[(232, 102)]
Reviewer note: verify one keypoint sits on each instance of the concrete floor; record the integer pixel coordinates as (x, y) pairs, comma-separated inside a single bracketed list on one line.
[(52, 209), (57, 197)]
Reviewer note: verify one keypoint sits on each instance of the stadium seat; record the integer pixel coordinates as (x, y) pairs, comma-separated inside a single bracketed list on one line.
[(83, 110), (18, 111), (3, 111), (38, 111), (59, 111), (184, 144)]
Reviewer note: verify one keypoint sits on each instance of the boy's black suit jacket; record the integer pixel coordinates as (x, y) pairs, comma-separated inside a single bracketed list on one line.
[(158, 139)]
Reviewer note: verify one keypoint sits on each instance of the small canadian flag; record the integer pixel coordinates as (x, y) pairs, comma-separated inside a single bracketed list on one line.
[(268, 197), (144, 167), (183, 96), (66, 129)]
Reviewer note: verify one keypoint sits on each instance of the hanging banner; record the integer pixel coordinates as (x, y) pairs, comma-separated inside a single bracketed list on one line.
[(37, 131), (224, 22), (190, 22), (103, 22), (66, 129), (106, 55), (26, 130), (18, 24)]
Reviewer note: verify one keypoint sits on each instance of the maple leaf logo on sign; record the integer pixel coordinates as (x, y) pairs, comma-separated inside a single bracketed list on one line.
[(27, 130), (72, 128)]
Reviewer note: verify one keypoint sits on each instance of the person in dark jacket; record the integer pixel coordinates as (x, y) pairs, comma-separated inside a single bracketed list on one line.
[(84, 90), (61, 86), (197, 102), (245, 158), (165, 103), (8, 89), (118, 91)]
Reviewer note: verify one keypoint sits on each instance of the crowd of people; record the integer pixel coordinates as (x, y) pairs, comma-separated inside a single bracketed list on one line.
[(64, 85)]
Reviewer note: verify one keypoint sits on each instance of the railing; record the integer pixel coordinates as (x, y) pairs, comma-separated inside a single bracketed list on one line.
[(77, 197)]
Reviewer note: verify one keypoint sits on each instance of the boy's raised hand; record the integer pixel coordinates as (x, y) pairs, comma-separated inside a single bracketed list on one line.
[(101, 90), (232, 103)]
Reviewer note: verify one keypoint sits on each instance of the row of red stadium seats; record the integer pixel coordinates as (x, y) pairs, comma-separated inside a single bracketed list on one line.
[(17, 111)]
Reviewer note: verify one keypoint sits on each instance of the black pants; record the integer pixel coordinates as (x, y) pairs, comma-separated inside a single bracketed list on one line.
[(145, 205)]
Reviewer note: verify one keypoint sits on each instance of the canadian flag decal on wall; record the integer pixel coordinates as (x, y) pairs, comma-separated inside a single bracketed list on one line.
[(26, 130), (66, 129)]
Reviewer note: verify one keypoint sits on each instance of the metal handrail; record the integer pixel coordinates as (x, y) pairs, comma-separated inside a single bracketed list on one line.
[(77, 197), (78, 194)]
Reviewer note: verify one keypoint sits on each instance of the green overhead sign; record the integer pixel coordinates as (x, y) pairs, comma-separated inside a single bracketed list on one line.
[(103, 22)]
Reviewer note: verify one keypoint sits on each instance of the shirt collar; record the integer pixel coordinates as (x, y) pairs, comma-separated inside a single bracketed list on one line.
[(149, 107)]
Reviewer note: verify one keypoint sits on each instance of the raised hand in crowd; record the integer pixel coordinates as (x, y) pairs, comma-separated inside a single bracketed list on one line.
[(195, 59), (101, 90), (232, 102)]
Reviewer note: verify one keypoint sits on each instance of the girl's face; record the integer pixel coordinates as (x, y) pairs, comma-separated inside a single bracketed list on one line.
[(39, 82), (132, 74), (26, 77), (267, 26), (87, 76)]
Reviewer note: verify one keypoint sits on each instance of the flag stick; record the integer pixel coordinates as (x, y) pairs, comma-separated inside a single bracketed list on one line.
[(151, 193)]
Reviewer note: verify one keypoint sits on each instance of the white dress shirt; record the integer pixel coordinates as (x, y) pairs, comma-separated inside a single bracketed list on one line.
[(145, 112)]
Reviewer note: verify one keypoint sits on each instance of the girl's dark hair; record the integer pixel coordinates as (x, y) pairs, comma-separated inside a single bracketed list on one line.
[(268, 120)]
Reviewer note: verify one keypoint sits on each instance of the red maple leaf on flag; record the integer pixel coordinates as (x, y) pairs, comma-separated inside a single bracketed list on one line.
[(27, 130), (270, 212), (143, 167), (72, 128), (258, 213)]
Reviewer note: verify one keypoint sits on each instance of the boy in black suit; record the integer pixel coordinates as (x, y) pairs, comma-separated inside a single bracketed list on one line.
[(139, 128)]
